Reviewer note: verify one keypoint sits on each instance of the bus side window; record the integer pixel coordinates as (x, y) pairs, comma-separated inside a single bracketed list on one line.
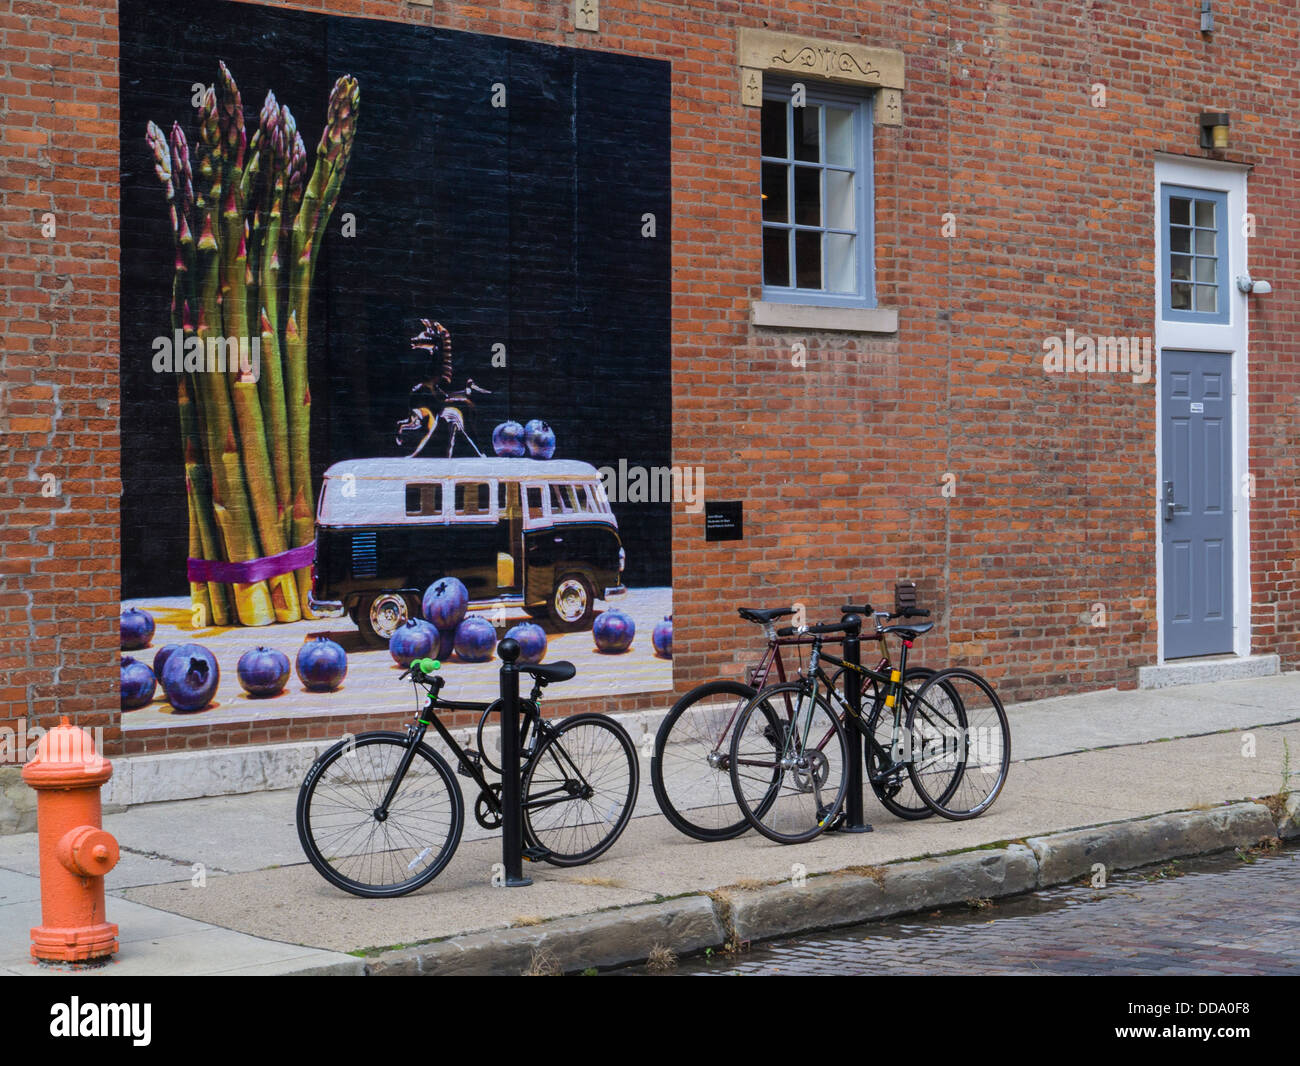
[(424, 499), (584, 501), (534, 501), (473, 498)]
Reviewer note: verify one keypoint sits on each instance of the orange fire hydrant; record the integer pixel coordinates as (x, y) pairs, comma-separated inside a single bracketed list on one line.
[(76, 851)]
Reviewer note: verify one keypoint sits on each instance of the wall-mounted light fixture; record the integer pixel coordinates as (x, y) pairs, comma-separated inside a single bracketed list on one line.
[(1207, 16), (1249, 285), (1214, 129)]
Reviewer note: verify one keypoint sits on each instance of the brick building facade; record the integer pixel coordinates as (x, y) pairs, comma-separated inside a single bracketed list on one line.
[(1015, 155)]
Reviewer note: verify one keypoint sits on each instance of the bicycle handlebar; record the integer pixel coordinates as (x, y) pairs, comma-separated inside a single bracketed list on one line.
[(906, 612)]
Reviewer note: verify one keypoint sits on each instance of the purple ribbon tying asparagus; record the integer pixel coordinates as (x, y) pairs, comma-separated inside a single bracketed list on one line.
[(254, 570)]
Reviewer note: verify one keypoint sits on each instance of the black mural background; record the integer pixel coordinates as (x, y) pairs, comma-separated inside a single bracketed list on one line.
[(518, 225)]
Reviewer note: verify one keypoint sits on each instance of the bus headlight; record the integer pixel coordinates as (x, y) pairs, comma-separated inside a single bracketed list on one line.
[(622, 558)]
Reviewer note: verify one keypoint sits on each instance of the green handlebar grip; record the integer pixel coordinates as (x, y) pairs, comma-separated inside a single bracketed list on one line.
[(427, 666)]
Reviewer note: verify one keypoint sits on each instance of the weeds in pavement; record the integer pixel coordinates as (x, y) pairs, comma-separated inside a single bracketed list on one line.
[(542, 964), (876, 873), (599, 882), (526, 919), (1163, 873), (662, 959), (979, 904)]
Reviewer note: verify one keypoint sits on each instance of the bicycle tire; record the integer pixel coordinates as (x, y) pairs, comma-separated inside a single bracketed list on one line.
[(984, 716), (899, 796), (336, 827), (596, 760), (688, 770), (788, 803)]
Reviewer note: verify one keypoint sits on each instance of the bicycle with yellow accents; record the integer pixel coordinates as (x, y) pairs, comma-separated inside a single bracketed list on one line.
[(947, 737)]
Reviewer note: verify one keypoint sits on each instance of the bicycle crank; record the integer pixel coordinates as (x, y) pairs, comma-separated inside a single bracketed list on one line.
[(810, 771), (488, 814)]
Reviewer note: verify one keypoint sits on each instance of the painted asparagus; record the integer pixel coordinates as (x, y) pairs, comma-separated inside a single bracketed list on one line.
[(242, 212)]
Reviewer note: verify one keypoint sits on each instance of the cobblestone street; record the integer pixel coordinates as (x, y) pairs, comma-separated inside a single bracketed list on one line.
[(1218, 915)]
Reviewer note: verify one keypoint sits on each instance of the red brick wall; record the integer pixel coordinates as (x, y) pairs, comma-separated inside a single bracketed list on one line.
[(840, 464)]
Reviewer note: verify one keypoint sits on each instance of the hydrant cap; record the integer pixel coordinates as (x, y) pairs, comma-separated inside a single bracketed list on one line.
[(66, 757)]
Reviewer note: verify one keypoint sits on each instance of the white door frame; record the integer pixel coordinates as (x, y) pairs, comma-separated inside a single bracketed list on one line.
[(1195, 336)]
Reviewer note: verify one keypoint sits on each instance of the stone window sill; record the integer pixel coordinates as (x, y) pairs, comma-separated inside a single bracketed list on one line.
[(817, 317)]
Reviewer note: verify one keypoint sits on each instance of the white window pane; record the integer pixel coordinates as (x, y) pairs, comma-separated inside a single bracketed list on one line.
[(1205, 214), (1207, 298), (1205, 242), (839, 136), (841, 263), (1205, 271), (840, 212)]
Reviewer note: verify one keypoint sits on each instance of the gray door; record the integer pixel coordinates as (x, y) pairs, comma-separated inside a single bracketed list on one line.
[(1196, 502)]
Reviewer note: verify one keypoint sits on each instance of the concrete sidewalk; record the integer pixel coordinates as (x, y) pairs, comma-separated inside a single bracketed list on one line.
[(220, 885)]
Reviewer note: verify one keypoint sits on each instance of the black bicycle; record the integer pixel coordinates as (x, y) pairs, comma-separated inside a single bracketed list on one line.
[(381, 814), (787, 759)]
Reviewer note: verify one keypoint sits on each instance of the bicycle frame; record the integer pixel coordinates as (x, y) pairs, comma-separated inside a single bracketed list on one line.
[(532, 716)]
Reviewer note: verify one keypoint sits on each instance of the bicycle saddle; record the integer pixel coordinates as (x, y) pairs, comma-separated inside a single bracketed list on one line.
[(762, 617), (548, 672), (909, 632)]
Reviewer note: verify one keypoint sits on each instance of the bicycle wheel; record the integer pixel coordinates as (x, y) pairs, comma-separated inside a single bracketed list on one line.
[(689, 767), (367, 855), (961, 743), (788, 774), (893, 787), (580, 789)]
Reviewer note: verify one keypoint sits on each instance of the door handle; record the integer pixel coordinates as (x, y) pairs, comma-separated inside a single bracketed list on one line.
[(1169, 501)]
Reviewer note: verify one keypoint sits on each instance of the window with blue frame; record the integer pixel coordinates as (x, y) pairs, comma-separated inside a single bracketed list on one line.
[(816, 192), (1194, 264)]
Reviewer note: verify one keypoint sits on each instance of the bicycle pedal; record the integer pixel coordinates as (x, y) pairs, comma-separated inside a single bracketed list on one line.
[(475, 758), (534, 854)]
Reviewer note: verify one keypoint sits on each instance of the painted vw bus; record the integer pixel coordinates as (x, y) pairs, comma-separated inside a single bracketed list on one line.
[(520, 533)]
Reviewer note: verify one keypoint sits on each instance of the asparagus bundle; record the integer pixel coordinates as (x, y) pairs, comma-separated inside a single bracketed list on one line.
[(246, 439)]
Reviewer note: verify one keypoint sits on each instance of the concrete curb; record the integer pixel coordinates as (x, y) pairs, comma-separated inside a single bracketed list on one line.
[(734, 915), (849, 897), (610, 939), (1122, 845)]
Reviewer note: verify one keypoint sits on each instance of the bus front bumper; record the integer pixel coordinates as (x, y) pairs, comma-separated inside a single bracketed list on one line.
[(615, 592), (324, 608)]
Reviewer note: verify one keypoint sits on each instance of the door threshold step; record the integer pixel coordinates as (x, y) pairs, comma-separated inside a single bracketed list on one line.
[(1208, 668)]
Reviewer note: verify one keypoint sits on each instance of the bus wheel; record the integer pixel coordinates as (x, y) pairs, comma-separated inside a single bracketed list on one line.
[(573, 604), (379, 616)]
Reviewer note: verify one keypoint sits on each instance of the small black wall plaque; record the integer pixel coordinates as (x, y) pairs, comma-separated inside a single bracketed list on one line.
[(724, 521)]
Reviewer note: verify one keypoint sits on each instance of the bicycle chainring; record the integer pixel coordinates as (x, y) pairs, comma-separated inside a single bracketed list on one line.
[(814, 773), (484, 814)]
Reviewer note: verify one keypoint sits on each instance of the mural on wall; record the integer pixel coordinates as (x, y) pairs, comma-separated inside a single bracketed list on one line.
[(395, 309)]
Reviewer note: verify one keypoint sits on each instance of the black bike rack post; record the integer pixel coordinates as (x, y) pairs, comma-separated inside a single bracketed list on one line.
[(853, 814), (512, 807)]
